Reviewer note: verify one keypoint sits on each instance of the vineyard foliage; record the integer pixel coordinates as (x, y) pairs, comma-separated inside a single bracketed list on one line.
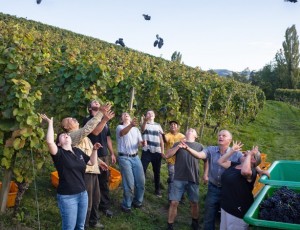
[(49, 70)]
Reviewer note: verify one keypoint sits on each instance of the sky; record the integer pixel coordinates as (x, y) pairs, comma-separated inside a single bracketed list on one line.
[(210, 34)]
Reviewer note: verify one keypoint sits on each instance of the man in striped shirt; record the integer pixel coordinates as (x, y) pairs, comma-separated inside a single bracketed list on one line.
[(151, 132)]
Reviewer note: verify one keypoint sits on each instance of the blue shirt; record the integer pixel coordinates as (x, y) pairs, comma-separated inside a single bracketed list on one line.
[(215, 171)]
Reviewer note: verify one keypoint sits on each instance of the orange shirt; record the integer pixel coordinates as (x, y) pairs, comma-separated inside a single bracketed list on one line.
[(171, 140)]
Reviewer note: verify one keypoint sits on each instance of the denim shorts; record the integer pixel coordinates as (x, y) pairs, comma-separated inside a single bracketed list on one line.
[(179, 187)]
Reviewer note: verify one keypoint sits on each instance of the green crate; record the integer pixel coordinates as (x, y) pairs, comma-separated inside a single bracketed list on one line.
[(251, 217), (283, 173)]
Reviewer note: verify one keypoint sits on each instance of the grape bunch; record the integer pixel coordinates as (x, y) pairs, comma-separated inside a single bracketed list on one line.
[(282, 206)]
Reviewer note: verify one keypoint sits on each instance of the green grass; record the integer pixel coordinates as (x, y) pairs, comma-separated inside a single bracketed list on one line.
[(275, 131)]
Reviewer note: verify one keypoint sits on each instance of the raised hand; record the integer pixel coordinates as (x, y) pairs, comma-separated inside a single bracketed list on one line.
[(108, 115), (237, 146), (46, 118), (134, 122), (97, 146), (105, 108)]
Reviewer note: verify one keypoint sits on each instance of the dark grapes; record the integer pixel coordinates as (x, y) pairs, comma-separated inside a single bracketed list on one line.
[(282, 206)]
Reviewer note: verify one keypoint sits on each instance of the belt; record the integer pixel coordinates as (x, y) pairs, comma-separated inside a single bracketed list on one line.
[(127, 155)]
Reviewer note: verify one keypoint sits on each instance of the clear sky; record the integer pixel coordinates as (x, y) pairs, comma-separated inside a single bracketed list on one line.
[(211, 34)]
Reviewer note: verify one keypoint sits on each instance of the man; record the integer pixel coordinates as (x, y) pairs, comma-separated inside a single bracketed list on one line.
[(213, 154), (170, 139), (133, 179), (186, 177), (151, 132), (102, 134)]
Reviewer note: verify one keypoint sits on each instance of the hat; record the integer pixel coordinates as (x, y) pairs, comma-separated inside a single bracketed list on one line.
[(170, 122)]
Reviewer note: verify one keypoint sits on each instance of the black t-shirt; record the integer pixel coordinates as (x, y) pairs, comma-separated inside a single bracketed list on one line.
[(101, 138), (71, 169), (236, 195), (187, 166)]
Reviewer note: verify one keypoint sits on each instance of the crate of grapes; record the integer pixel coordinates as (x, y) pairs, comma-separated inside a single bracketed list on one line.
[(275, 207), (283, 173)]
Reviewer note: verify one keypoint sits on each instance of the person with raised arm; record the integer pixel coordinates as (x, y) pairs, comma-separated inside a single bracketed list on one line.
[(129, 138), (153, 151), (237, 184), (213, 154), (186, 177), (70, 163), (102, 135)]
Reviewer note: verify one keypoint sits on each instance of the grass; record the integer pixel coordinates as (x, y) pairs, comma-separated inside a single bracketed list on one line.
[(275, 131)]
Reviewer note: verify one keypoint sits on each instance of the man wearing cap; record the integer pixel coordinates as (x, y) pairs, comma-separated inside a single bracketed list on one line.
[(170, 139)]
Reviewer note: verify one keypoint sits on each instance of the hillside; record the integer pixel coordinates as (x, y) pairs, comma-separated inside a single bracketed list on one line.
[(275, 130)]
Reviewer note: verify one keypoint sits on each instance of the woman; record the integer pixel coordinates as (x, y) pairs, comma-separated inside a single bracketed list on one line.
[(237, 185), (133, 179), (70, 163)]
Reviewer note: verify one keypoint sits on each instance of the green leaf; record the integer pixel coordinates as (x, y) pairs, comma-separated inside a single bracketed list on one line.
[(8, 124), (11, 66), (17, 144)]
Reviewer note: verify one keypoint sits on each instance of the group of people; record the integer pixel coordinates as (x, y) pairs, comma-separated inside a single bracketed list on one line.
[(81, 157)]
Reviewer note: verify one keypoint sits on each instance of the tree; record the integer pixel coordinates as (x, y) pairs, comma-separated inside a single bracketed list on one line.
[(176, 57), (292, 56)]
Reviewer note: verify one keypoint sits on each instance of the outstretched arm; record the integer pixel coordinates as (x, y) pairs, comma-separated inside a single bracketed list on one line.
[(108, 115), (171, 152), (50, 134), (199, 155)]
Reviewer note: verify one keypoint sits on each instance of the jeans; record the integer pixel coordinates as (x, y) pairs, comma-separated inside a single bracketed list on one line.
[(155, 159), (133, 180), (171, 172), (73, 209), (179, 187), (212, 206), (104, 186), (92, 187)]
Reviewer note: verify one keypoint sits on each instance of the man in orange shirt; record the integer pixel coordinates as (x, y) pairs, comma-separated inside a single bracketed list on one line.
[(170, 139)]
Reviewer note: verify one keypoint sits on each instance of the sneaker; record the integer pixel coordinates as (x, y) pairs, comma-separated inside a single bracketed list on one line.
[(108, 213), (137, 205), (158, 193), (125, 210), (98, 225)]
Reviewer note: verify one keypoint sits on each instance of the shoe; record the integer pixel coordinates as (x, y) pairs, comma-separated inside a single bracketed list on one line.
[(125, 210), (170, 227), (98, 225), (108, 213), (158, 193), (195, 225), (137, 205)]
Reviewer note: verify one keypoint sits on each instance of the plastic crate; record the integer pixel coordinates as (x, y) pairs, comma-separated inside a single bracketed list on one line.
[(251, 217), (257, 185), (54, 179), (283, 173), (115, 178), (12, 194)]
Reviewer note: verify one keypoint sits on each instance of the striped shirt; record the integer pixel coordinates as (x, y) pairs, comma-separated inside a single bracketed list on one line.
[(152, 136)]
